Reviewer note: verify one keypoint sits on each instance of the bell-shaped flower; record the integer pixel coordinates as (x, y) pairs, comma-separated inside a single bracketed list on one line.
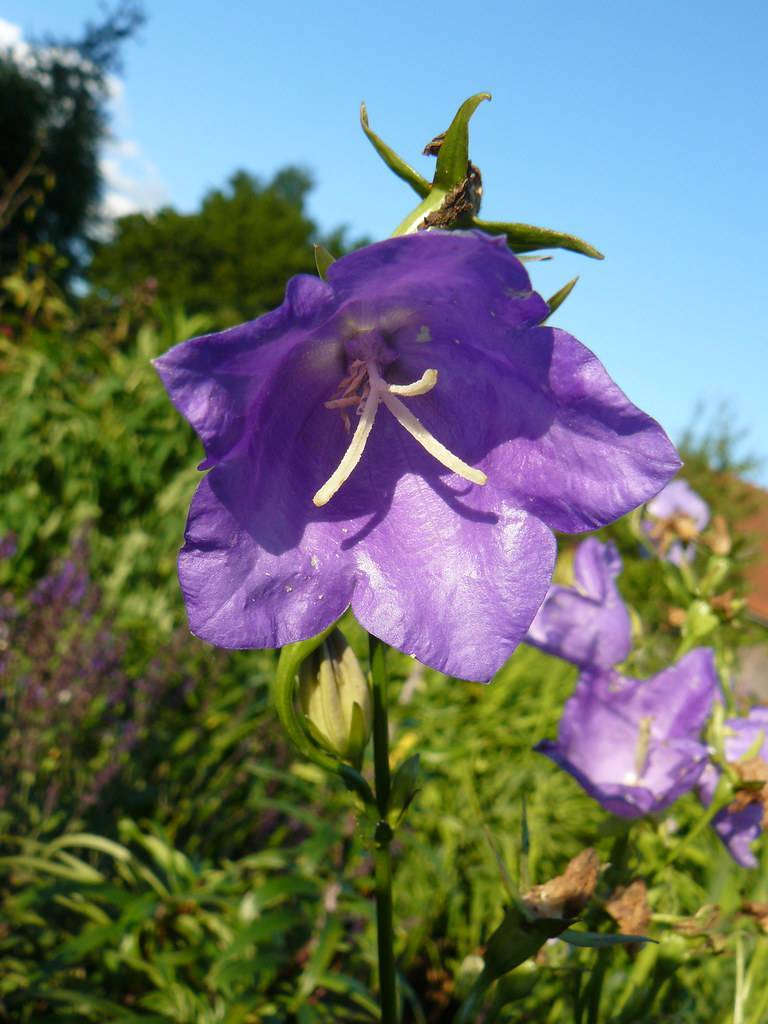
[(402, 437), (587, 623), (634, 745), (676, 517), (746, 748)]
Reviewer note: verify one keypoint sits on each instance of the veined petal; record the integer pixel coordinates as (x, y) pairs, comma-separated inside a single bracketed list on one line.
[(586, 454), (588, 624), (218, 380), (254, 578), (454, 589), (463, 277)]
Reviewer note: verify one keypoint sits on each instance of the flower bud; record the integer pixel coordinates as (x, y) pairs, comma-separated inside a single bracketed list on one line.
[(336, 699)]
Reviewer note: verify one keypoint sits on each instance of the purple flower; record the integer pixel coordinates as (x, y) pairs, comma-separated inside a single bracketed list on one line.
[(739, 826), (351, 432), (588, 623), (677, 515), (634, 744)]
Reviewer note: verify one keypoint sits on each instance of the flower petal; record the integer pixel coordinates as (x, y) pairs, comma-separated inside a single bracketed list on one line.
[(590, 625), (453, 588), (595, 457), (537, 411), (467, 277), (217, 380), (738, 830), (251, 575)]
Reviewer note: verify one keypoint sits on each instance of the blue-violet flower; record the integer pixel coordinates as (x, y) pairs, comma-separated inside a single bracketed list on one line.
[(676, 516), (588, 623), (402, 437), (634, 745), (741, 823)]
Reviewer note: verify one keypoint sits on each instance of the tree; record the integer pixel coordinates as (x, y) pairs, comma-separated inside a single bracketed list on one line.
[(52, 122), (231, 258)]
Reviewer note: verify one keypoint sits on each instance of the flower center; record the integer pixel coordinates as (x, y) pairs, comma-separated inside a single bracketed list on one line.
[(365, 389)]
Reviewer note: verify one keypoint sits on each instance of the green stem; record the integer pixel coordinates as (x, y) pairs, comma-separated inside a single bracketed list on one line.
[(473, 1004), (383, 837)]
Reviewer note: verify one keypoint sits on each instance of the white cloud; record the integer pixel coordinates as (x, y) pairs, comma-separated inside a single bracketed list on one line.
[(132, 182), (11, 39)]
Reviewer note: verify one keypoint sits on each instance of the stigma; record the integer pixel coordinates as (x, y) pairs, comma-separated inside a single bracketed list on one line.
[(365, 389)]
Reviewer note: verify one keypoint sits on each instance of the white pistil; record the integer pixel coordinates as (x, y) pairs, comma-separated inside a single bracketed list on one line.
[(380, 391)]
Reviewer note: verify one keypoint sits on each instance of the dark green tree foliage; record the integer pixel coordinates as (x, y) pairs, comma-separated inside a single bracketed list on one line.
[(232, 256), (52, 123)]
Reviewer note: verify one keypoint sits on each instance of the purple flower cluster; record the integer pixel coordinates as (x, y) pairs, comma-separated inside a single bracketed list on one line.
[(401, 438), (62, 667)]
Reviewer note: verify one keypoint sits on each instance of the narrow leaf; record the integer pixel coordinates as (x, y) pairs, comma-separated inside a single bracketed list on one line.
[(600, 940), (395, 163), (453, 157), (91, 842), (560, 296), (527, 238), (323, 260)]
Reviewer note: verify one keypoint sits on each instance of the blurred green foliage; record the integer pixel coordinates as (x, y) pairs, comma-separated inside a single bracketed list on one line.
[(231, 258), (53, 121)]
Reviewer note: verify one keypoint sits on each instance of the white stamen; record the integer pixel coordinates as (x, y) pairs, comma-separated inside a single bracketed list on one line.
[(381, 391), (352, 455), (416, 429), (425, 383)]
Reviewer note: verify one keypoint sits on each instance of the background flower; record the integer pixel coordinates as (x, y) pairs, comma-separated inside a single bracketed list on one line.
[(634, 744), (588, 623), (740, 824), (677, 516)]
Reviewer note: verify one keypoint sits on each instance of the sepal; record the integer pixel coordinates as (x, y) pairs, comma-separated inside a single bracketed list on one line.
[(527, 238), (453, 154), (395, 163)]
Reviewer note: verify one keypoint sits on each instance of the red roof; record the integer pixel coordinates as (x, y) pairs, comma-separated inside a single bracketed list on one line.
[(757, 571)]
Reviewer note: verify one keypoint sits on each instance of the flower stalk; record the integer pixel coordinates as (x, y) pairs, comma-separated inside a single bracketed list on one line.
[(383, 835)]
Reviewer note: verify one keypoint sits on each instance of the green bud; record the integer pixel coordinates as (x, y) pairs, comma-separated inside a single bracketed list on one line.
[(335, 697)]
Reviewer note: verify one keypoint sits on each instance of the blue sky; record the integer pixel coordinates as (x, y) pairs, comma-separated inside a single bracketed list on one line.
[(640, 127)]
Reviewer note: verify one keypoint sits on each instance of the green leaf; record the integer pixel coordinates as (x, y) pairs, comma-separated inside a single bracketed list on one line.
[(394, 162), (527, 238), (404, 785), (74, 870), (601, 940), (323, 260), (104, 1009), (453, 158), (560, 296), (90, 842)]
